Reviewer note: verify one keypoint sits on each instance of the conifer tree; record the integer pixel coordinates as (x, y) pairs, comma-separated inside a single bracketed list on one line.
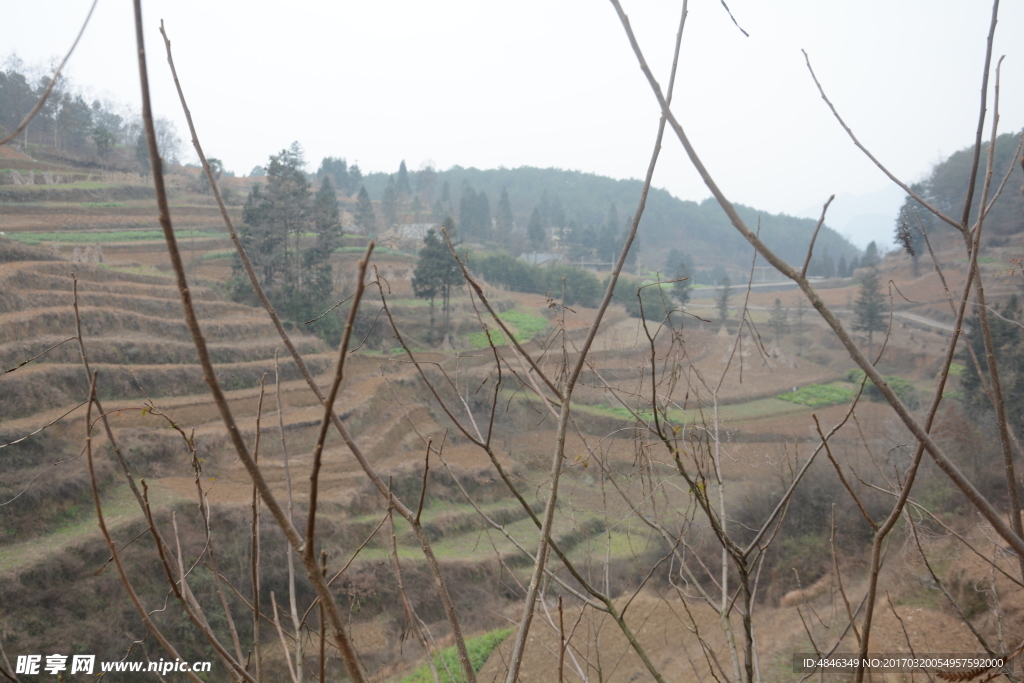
[(779, 321), (871, 257), (326, 217), (722, 298), (503, 219), (366, 220), (327, 225), (535, 230), (683, 280), (870, 307), (403, 180), (436, 273), (389, 203)]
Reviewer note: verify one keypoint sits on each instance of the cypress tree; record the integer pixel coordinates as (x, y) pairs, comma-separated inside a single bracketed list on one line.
[(366, 220), (535, 231), (403, 180), (869, 308)]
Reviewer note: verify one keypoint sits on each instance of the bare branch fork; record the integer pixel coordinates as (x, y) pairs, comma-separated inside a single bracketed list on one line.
[(565, 395), (279, 513), (938, 455), (53, 81), (346, 436)]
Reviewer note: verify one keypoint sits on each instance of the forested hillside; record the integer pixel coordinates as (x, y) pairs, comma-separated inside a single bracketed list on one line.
[(946, 188), (699, 230)]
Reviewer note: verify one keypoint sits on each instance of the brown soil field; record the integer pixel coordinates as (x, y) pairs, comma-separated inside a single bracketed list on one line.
[(149, 381)]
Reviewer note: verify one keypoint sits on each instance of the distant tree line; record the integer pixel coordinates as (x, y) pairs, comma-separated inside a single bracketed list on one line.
[(573, 208), (946, 189), (69, 124)]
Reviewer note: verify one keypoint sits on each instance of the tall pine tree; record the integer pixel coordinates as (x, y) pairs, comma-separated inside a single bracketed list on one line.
[(869, 309), (403, 180), (366, 220), (503, 221)]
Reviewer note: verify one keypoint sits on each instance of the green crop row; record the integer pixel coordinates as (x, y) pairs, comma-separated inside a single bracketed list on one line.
[(818, 395), (447, 660), (525, 325), (71, 237)]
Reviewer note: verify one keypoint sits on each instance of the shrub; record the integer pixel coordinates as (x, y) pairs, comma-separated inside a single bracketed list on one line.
[(581, 286), (655, 300)]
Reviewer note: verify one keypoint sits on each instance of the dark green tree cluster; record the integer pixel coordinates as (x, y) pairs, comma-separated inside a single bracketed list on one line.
[(504, 222), (552, 215), (276, 219), (389, 203), (346, 179), (822, 265), (437, 273), (573, 208), (679, 267), (1008, 341), (70, 125), (657, 302), (946, 189), (601, 245), (402, 183), (366, 218), (581, 286), (474, 215), (911, 223)]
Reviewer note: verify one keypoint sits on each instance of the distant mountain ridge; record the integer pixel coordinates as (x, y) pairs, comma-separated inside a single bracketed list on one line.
[(700, 230)]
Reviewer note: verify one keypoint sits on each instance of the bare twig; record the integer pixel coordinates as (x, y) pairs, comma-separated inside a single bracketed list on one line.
[(332, 394), (53, 81), (979, 501), (284, 643), (38, 355), (810, 247), (112, 547), (279, 513)]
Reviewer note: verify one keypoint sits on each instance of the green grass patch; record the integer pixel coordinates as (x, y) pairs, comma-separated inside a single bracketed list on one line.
[(70, 237), (480, 648), (378, 251), (956, 369), (214, 255), (818, 395), (617, 412), (525, 325), (747, 410), (102, 204), (903, 388)]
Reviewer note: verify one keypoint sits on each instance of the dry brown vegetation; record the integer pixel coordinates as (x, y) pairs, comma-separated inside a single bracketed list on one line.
[(675, 455)]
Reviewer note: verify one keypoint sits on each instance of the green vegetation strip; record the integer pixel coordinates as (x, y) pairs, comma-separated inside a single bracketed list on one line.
[(109, 236), (819, 395), (447, 660), (524, 324)]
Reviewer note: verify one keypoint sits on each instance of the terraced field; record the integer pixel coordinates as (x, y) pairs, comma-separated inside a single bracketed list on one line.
[(149, 381)]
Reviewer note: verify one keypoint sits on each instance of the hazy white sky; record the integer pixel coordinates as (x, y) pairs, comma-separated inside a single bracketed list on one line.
[(554, 83)]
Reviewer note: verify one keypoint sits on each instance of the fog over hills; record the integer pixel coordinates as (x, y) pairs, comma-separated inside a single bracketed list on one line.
[(863, 218)]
